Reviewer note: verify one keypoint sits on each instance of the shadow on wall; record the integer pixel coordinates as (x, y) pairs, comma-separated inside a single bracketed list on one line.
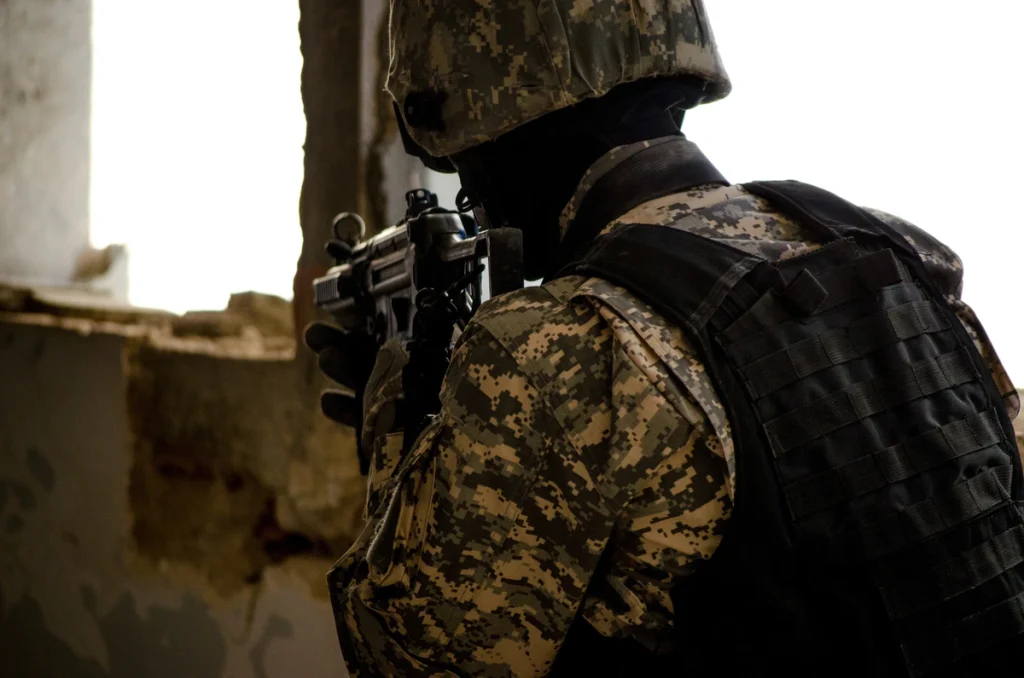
[(167, 643), (161, 508)]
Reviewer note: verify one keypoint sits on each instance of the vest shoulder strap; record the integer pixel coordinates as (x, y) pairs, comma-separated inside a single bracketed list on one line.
[(701, 273), (828, 215)]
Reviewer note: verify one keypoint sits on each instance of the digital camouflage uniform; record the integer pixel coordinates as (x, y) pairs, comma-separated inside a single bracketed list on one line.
[(581, 461), (579, 437)]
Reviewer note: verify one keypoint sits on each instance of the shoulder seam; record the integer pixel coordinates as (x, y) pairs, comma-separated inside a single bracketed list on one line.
[(530, 378), (541, 387)]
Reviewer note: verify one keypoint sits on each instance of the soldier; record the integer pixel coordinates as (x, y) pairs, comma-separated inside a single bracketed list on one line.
[(738, 429)]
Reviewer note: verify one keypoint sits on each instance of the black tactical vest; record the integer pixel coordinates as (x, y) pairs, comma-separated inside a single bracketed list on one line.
[(877, 529)]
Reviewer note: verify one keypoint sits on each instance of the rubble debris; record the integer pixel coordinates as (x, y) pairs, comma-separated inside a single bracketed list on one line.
[(104, 271), (78, 301), (270, 314), (13, 299), (95, 263), (254, 326), (211, 324)]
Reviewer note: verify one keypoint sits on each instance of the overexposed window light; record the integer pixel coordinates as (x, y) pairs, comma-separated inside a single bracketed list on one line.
[(909, 106), (197, 146)]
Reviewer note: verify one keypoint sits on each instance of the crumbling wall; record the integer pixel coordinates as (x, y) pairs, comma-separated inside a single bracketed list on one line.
[(171, 497), (215, 484), (153, 521)]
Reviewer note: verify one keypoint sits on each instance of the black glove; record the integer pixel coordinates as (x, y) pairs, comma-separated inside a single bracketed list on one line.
[(347, 358)]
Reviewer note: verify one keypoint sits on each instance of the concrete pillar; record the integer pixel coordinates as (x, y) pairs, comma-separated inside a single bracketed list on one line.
[(331, 51), (45, 83)]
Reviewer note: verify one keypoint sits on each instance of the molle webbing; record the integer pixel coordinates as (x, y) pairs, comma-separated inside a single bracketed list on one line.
[(861, 400), (788, 364), (893, 464), (925, 483), (840, 377), (868, 409)]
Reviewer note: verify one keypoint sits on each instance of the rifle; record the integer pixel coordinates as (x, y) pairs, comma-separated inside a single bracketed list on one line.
[(416, 281)]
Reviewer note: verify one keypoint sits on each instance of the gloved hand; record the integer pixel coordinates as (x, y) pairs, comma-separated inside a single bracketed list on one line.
[(370, 396)]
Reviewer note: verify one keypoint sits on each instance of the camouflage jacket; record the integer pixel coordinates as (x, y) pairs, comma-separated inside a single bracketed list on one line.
[(581, 463)]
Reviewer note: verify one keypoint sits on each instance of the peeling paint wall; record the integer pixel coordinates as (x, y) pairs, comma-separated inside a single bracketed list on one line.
[(152, 520)]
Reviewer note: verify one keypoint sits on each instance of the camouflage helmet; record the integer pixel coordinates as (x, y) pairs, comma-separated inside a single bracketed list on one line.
[(463, 72)]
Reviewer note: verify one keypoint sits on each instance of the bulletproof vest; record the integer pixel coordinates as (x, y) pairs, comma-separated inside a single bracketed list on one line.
[(877, 526)]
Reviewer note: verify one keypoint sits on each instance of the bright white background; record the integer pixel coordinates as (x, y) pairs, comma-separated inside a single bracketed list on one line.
[(197, 146), (910, 106)]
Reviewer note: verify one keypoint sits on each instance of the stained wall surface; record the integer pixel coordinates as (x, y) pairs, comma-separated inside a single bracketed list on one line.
[(170, 556)]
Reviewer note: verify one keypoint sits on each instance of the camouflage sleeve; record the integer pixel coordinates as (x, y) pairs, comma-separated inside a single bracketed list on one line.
[(947, 270), (479, 555)]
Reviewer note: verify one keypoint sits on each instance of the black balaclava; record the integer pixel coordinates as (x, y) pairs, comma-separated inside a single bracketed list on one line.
[(525, 178)]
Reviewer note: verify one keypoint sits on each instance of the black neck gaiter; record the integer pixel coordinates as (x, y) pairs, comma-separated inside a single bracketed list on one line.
[(525, 178)]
